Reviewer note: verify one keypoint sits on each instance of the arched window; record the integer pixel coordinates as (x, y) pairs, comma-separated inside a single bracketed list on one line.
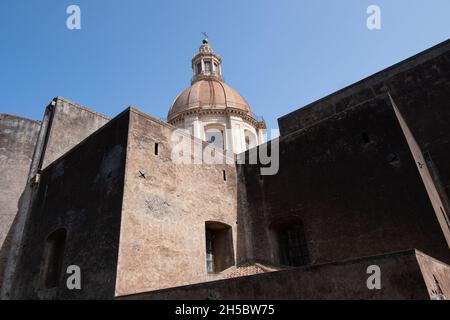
[(214, 135), (207, 66), (292, 246), (250, 140), (53, 258), (219, 246)]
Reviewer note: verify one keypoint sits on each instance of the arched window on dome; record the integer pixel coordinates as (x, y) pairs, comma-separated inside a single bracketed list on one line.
[(207, 66), (214, 135), (250, 140)]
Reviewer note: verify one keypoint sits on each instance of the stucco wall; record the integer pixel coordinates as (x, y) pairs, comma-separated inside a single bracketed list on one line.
[(162, 241)]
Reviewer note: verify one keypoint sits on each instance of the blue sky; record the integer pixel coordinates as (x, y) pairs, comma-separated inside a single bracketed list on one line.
[(279, 54)]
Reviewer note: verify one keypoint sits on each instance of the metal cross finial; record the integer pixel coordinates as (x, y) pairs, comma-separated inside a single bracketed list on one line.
[(205, 35)]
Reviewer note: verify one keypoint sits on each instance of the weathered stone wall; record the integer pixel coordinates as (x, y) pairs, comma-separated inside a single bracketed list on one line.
[(420, 86), (423, 168), (355, 198), (70, 124), (17, 141), (162, 241), (436, 275), (401, 278), (81, 192), (64, 125)]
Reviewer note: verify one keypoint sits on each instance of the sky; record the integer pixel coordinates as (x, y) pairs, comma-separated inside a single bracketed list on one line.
[(279, 54)]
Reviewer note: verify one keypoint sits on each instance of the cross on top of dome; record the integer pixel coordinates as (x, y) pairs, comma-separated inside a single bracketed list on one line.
[(205, 39), (205, 47)]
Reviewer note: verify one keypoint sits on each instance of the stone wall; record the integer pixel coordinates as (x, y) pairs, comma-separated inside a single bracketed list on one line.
[(162, 241), (82, 193), (401, 278), (352, 181), (423, 168), (420, 86), (436, 275), (70, 124), (17, 141), (354, 178), (65, 124)]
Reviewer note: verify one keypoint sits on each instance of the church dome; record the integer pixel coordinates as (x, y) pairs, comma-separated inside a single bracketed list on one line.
[(214, 112), (208, 94)]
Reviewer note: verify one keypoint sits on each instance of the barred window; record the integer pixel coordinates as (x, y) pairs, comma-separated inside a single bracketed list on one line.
[(293, 247)]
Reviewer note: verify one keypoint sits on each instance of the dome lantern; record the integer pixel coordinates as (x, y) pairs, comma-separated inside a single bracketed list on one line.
[(206, 64)]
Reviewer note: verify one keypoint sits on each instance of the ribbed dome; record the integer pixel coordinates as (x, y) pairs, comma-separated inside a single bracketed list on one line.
[(208, 94)]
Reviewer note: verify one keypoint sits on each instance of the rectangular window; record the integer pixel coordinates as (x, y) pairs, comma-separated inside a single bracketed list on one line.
[(156, 149), (294, 251), (207, 66), (199, 68), (209, 251), (219, 247)]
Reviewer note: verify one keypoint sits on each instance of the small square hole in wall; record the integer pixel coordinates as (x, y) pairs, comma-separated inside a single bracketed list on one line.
[(366, 138), (156, 149)]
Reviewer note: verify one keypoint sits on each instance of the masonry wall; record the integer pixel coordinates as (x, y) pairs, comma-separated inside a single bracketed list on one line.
[(401, 278), (436, 275), (70, 124), (162, 241), (354, 198), (82, 193), (64, 125), (423, 168), (420, 86), (17, 141)]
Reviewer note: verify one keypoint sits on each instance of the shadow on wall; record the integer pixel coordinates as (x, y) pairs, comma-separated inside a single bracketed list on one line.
[(5, 252)]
